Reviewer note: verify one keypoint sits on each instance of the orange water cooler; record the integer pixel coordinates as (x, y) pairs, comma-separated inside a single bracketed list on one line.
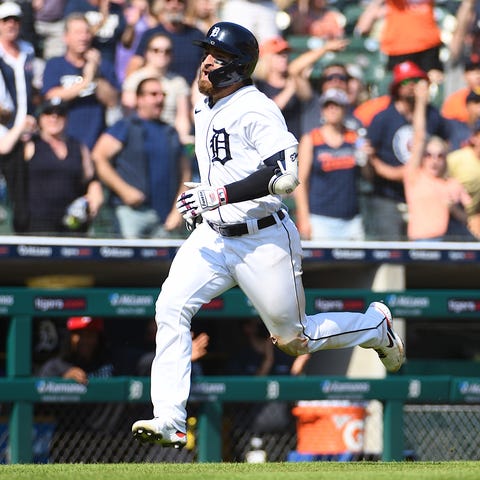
[(329, 427)]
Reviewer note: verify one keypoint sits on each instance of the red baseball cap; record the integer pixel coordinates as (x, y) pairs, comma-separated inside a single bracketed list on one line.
[(82, 323), (274, 45), (406, 71)]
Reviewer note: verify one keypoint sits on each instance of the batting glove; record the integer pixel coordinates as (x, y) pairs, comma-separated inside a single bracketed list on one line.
[(200, 199)]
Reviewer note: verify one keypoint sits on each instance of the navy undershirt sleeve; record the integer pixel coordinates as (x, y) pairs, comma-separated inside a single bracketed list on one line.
[(251, 187), (256, 184)]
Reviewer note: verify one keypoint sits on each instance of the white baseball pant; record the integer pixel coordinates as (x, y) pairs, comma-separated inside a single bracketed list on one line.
[(266, 265)]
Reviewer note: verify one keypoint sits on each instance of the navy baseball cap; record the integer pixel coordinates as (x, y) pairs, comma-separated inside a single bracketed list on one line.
[(53, 105)]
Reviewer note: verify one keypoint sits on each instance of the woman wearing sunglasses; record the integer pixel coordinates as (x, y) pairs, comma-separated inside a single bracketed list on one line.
[(436, 203)]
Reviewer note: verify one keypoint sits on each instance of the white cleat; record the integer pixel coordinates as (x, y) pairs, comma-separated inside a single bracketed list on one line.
[(393, 354), (154, 431)]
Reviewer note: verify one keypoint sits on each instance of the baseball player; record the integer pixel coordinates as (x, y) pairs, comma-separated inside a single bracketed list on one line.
[(247, 161)]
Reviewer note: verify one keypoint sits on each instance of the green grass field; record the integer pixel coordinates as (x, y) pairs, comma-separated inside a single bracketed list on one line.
[(243, 471)]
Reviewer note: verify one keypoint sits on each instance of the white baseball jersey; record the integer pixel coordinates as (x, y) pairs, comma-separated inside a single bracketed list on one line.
[(232, 140)]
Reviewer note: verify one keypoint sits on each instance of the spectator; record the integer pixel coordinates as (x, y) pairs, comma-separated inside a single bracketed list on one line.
[(177, 108), (436, 203), (315, 18), (455, 106), (334, 75), (326, 200), (139, 18), (49, 26), (84, 355), (140, 159), (16, 62), (171, 21), (273, 79), (259, 16), (47, 172), (409, 32), (202, 14), (462, 131), (106, 20), (390, 135), (464, 165), (84, 79)]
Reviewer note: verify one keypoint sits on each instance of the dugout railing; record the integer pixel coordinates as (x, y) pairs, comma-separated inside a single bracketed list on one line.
[(19, 305)]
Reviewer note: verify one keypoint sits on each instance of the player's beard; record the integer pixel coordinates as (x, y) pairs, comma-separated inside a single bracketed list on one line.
[(205, 86)]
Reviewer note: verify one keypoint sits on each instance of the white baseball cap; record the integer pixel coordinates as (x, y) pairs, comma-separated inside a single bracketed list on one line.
[(10, 9), (334, 95)]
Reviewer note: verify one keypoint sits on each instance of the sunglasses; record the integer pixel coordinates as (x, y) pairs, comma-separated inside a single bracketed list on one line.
[(336, 76), (407, 81), (166, 51), (58, 113), (434, 155), (153, 93)]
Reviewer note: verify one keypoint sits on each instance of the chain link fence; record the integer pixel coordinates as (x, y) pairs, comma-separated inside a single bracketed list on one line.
[(442, 432), (100, 433)]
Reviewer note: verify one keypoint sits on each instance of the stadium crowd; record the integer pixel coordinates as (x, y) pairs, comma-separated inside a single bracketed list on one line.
[(106, 85)]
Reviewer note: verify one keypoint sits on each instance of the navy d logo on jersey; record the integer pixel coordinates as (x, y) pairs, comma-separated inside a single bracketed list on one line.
[(220, 145)]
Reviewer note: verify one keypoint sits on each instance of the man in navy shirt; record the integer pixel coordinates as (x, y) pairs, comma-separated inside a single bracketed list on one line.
[(84, 79), (141, 160)]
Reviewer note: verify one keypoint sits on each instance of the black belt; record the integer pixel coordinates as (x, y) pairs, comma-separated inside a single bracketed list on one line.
[(238, 229)]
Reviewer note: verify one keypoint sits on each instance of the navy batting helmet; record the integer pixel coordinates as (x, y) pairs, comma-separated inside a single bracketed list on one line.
[(234, 40)]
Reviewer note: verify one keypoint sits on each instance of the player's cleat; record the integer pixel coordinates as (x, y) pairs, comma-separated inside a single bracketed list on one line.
[(392, 355), (154, 431)]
